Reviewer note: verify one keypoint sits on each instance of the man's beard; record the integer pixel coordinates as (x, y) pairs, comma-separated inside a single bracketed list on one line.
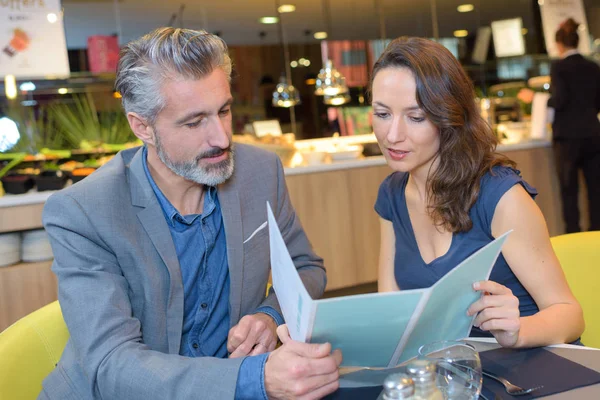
[(211, 174)]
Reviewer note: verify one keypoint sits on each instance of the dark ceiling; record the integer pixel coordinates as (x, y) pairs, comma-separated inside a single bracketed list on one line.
[(237, 20)]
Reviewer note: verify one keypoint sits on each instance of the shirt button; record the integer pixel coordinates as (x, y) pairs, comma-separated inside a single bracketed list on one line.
[(195, 345), (204, 306), (203, 222)]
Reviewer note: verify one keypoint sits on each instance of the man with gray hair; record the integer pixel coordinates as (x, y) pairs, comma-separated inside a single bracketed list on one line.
[(162, 257)]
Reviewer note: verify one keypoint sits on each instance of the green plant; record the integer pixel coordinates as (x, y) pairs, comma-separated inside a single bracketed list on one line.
[(84, 127), (50, 166), (37, 129), (15, 160)]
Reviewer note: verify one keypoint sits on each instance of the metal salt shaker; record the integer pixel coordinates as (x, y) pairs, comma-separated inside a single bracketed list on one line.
[(398, 386), (423, 373)]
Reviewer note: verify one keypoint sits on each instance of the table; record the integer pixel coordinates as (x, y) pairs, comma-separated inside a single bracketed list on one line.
[(586, 356)]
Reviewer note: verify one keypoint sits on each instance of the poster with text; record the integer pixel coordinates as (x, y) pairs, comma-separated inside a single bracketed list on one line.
[(554, 13), (32, 39), (508, 37)]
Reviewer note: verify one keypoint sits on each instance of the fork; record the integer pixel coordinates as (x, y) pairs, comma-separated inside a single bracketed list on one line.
[(511, 389)]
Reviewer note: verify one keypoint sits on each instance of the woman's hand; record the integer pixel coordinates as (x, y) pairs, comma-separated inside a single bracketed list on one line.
[(498, 312), (526, 95)]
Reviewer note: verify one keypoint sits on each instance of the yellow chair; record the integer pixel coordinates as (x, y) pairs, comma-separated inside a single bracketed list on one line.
[(29, 351), (579, 256)]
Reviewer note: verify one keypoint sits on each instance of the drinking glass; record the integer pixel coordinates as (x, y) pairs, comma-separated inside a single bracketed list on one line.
[(458, 368)]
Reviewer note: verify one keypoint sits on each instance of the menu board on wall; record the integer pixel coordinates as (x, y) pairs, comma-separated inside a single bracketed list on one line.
[(554, 13), (508, 38), (32, 39)]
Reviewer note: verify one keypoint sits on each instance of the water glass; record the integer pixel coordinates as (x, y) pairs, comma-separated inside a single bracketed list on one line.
[(458, 369)]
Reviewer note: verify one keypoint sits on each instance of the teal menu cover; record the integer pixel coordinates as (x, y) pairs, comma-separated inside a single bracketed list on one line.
[(380, 330), (366, 328)]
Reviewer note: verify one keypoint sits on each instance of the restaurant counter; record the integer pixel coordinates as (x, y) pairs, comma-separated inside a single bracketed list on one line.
[(334, 202)]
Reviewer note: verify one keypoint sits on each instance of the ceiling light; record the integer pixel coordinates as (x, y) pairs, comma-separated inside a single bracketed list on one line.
[(268, 20), (286, 8), (464, 8), (9, 133), (10, 87), (320, 35), (285, 95), (63, 90), (337, 100), (461, 33), (27, 86), (294, 64), (52, 18), (329, 81)]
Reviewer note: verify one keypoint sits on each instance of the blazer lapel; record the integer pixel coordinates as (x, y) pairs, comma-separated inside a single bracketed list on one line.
[(232, 219), (152, 219)]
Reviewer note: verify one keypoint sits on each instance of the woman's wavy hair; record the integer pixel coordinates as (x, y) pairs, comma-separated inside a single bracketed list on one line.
[(567, 34), (467, 144)]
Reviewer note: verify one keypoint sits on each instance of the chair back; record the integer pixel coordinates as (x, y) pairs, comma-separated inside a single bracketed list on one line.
[(30, 350), (579, 256)]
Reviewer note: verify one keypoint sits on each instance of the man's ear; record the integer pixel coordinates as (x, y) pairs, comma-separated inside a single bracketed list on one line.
[(141, 128)]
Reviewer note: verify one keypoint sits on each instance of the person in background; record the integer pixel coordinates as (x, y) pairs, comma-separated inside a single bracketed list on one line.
[(575, 87), (451, 194), (162, 257)]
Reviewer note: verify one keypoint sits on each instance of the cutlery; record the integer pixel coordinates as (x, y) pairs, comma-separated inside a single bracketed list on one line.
[(511, 389)]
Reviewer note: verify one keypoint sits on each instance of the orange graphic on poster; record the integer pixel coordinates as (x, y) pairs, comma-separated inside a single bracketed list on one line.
[(19, 42)]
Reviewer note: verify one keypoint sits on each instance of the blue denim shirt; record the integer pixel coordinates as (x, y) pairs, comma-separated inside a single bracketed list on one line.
[(201, 248)]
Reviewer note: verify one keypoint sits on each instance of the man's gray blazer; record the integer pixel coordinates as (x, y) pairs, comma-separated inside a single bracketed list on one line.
[(120, 286)]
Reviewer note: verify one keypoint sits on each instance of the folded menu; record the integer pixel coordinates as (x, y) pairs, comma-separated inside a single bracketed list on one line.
[(534, 367), (379, 329)]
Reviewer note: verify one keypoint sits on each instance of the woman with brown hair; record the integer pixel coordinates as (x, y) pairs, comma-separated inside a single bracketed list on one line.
[(451, 194)]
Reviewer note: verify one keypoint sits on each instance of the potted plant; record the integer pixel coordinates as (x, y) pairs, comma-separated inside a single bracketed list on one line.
[(51, 178), (14, 183)]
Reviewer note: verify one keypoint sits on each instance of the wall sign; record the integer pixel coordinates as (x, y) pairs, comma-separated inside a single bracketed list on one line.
[(32, 39), (554, 13)]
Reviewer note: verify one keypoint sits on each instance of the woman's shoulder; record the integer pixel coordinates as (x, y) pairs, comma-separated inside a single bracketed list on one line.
[(494, 184), (501, 172), (500, 178)]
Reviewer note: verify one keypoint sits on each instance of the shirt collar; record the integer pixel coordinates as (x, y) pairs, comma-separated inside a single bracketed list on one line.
[(569, 53), (171, 213)]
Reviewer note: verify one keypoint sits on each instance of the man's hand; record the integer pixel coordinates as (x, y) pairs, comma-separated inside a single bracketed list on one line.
[(301, 370), (255, 334)]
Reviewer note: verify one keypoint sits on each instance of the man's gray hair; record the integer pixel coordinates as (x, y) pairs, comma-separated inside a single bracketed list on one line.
[(165, 53)]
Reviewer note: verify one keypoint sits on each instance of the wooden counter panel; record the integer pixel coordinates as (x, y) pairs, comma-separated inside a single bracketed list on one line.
[(538, 168), (23, 289), (336, 211), (20, 218)]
